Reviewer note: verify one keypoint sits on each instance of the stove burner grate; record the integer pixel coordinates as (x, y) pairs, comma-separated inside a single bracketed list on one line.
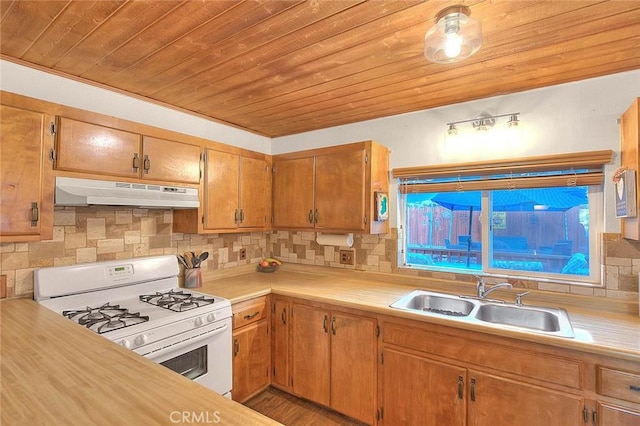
[(177, 301), (105, 318)]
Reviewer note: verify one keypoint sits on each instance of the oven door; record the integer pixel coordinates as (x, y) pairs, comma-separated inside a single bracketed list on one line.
[(202, 355)]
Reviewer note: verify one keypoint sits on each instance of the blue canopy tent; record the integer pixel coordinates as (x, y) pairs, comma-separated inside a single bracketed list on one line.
[(549, 199)]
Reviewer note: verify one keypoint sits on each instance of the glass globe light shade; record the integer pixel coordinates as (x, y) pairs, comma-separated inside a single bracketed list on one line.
[(454, 37)]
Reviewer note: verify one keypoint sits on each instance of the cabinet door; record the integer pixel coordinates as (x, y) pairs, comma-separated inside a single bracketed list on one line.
[(310, 353), (419, 391), (250, 360), (353, 366), (255, 192), (221, 192), (165, 160), (89, 148), (340, 191), (26, 200), (612, 415), (280, 344), (497, 401), (293, 193)]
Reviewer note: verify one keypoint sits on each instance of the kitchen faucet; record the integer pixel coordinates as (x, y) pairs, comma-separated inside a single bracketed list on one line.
[(483, 291)]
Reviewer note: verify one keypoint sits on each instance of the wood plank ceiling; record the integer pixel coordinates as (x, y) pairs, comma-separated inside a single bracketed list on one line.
[(280, 67)]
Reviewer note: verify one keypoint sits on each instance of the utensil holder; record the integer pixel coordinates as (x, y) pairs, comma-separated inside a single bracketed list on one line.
[(192, 278)]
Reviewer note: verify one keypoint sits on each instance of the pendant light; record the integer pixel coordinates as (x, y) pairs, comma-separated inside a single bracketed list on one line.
[(454, 37)]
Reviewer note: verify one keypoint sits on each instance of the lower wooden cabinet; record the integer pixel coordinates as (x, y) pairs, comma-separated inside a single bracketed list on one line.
[(333, 360), (420, 373), (280, 320), (251, 349), (495, 400), (437, 375), (421, 391)]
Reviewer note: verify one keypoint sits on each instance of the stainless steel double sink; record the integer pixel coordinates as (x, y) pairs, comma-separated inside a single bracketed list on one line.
[(549, 321)]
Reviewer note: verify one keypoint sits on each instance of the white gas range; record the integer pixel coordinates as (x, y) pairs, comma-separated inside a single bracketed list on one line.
[(137, 303)]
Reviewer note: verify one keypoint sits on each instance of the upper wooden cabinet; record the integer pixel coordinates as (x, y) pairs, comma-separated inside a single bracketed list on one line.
[(630, 158), (26, 191), (91, 148), (331, 189), (236, 195)]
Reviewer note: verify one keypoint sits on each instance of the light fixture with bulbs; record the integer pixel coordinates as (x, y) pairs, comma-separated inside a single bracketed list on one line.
[(454, 37), (483, 126)]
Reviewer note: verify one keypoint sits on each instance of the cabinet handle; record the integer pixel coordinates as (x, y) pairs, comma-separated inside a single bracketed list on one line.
[(460, 387), (473, 390), (311, 216), (136, 162), (236, 347), (235, 216), (251, 316), (147, 164), (324, 324), (634, 388), (333, 326), (315, 217), (284, 316), (35, 214), (241, 215)]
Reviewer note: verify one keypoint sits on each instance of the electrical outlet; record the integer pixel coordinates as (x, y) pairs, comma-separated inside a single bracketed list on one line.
[(347, 257), (243, 254)]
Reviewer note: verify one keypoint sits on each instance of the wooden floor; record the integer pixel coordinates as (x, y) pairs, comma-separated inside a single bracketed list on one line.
[(292, 411)]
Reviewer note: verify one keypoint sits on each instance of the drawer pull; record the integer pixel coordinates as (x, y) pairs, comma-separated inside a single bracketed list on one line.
[(251, 316), (460, 387), (634, 388)]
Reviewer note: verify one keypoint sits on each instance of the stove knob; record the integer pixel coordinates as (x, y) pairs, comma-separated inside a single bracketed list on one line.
[(126, 344), (141, 339), (211, 317), (198, 322)]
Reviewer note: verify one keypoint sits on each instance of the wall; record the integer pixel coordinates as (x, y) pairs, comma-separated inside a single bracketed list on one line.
[(89, 234)]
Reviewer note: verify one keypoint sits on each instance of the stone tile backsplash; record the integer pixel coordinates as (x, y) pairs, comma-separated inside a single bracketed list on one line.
[(89, 234)]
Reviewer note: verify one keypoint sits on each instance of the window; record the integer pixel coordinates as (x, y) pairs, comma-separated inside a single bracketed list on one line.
[(542, 221)]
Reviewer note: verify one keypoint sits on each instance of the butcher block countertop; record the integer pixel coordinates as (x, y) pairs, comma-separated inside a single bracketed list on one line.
[(597, 331), (54, 372)]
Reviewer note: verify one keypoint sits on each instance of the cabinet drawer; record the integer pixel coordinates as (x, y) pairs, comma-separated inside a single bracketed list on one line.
[(619, 384), (249, 311)]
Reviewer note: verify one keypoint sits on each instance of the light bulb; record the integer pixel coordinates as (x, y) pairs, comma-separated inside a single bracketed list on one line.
[(453, 45)]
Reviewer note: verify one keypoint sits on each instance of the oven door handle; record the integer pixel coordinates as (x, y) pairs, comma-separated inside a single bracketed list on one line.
[(196, 339)]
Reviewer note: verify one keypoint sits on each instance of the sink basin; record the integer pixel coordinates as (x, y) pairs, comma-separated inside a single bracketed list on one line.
[(548, 320), (435, 303)]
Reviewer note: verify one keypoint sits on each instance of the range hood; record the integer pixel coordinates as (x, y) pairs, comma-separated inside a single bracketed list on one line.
[(86, 192)]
